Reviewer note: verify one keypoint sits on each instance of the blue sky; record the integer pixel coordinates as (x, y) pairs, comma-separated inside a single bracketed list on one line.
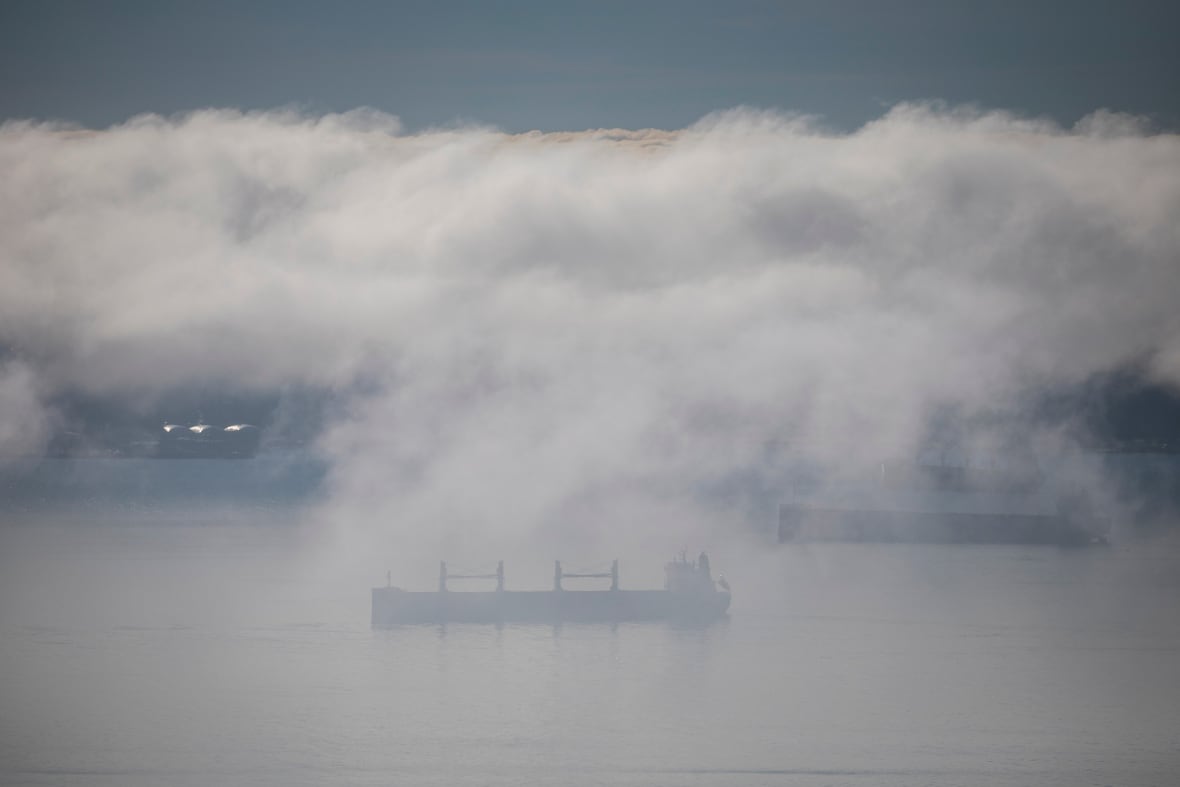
[(563, 66)]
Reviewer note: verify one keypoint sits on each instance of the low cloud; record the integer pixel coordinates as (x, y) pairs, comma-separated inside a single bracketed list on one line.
[(530, 333), (25, 420)]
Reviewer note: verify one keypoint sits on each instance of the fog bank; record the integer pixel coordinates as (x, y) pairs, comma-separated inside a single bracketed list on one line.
[(526, 335)]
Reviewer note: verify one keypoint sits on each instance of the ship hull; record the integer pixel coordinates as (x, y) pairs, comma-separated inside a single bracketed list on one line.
[(805, 523), (394, 606)]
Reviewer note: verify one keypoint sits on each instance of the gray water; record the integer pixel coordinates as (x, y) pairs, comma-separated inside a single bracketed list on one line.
[(186, 652)]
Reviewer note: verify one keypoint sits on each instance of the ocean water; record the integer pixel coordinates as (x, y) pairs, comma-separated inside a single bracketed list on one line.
[(186, 651)]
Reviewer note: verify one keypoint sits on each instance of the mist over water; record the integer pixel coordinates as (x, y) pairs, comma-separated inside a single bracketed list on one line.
[(151, 651), (582, 346)]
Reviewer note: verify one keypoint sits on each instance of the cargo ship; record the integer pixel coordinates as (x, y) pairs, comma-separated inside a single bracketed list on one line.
[(690, 595), (945, 505)]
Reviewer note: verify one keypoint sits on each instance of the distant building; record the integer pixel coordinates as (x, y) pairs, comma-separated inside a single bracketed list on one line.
[(205, 441)]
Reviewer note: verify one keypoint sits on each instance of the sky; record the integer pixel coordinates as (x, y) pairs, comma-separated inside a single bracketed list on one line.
[(526, 64), (735, 237)]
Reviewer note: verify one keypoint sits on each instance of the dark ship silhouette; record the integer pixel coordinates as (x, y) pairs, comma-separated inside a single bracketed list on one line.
[(946, 504), (690, 595)]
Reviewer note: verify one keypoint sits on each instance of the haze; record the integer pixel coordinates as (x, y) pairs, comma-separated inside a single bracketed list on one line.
[(823, 239)]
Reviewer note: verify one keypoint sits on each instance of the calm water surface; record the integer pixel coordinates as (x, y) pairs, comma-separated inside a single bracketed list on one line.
[(189, 654)]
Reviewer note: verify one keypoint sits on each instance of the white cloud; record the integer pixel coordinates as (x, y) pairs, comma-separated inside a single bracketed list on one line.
[(24, 419), (545, 324)]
